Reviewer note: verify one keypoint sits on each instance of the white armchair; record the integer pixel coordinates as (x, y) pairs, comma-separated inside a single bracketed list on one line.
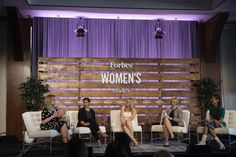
[(176, 129), (32, 121), (230, 129), (116, 124), (72, 116)]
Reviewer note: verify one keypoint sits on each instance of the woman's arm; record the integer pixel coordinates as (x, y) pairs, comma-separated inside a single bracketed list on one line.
[(167, 114), (133, 115), (48, 119), (122, 121), (81, 116)]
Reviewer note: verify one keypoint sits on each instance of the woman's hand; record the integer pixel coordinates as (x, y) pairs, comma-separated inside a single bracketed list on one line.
[(217, 122), (87, 124), (166, 116), (123, 122), (55, 114)]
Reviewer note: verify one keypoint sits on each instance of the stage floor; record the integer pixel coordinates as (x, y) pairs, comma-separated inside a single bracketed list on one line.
[(146, 148), (13, 148)]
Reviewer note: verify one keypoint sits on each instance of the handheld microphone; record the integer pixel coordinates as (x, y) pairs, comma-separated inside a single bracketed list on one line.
[(54, 108)]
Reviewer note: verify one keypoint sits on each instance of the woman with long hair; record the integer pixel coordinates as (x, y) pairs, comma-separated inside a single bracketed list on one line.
[(127, 114), (52, 119)]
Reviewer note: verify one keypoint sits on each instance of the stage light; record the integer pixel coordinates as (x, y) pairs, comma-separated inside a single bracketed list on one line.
[(159, 31), (80, 31)]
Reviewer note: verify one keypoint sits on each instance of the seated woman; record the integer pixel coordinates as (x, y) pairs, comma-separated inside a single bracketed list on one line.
[(86, 118), (173, 117), (127, 114), (216, 113), (51, 119)]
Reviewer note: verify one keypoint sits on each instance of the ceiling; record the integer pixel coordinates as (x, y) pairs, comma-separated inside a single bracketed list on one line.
[(188, 10)]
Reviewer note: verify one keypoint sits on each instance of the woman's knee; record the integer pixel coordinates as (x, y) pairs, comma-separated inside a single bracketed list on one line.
[(165, 121), (129, 124)]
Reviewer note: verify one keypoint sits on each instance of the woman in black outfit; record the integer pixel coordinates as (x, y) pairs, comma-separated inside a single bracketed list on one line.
[(86, 118)]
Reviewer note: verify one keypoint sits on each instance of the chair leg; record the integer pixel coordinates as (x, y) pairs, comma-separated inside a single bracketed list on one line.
[(189, 137), (151, 138), (50, 142), (23, 145), (178, 138), (141, 137), (105, 142), (197, 138), (113, 136)]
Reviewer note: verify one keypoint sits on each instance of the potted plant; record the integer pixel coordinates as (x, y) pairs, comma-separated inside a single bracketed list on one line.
[(206, 87), (32, 93)]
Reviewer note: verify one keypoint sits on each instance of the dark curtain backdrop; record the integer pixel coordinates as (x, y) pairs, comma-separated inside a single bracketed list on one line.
[(56, 37)]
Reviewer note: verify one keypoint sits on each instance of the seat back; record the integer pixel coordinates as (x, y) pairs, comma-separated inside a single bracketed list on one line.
[(186, 119), (32, 120), (73, 117), (230, 118), (115, 119)]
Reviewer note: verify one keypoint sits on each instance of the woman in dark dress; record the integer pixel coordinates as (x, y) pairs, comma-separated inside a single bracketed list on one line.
[(51, 119), (86, 118), (173, 117), (217, 113)]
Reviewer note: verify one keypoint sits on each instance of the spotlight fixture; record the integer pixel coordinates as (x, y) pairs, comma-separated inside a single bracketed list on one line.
[(159, 31), (80, 31)]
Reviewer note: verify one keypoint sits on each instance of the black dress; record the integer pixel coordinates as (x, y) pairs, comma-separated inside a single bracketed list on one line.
[(55, 123), (171, 114)]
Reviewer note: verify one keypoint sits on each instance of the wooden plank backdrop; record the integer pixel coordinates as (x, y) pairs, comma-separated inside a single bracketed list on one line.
[(72, 79)]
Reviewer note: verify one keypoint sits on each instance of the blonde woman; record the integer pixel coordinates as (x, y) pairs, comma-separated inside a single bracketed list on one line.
[(127, 114), (173, 117), (52, 119)]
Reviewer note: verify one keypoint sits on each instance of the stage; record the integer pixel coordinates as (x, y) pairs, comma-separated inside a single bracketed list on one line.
[(11, 147), (147, 148)]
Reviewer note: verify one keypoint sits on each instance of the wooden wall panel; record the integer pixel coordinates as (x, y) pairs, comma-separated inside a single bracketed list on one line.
[(72, 79)]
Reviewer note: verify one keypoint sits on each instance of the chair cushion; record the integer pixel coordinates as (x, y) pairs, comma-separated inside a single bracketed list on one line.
[(43, 133), (157, 128), (82, 130)]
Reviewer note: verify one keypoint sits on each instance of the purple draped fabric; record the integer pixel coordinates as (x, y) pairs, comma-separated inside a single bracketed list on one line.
[(56, 37)]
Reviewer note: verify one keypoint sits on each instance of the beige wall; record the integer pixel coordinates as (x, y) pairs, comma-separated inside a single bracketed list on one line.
[(3, 83)]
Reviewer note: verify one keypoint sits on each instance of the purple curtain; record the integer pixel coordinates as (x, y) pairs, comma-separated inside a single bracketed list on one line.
[(56, 37)]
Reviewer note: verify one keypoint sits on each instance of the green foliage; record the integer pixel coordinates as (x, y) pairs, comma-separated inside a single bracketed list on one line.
[(206, 87), (32, 93)]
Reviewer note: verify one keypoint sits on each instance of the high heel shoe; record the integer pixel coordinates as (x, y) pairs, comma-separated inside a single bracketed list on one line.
[(103, 135), (222, 147), (64, 140), (99, 144), (135, 143)]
